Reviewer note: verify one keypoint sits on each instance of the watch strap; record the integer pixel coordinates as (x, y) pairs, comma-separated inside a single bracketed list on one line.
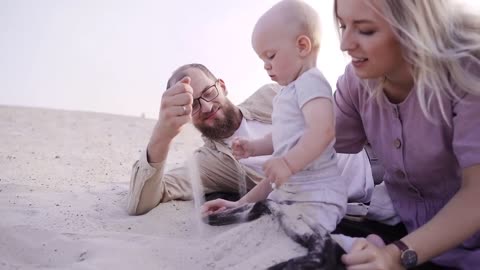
[(408, 256), (401, 245)]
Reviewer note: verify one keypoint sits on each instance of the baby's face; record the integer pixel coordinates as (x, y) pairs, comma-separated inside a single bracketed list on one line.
[(278, 52)]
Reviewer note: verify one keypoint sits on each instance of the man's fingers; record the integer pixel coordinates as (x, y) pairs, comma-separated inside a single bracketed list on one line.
[(183, 86), (177, 122), (177, 111), (177, 115), (177, 99), (186, 80), (176, 104)]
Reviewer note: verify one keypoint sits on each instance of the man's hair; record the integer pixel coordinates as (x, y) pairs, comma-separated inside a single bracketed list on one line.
[(181, 72)]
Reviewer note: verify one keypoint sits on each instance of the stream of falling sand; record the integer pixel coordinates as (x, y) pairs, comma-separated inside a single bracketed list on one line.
[(197, 188)]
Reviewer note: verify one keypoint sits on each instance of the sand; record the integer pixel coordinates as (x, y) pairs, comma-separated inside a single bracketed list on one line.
[(64, 178)]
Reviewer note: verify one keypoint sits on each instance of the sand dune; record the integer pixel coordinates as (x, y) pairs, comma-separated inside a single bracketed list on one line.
[(63, 181)]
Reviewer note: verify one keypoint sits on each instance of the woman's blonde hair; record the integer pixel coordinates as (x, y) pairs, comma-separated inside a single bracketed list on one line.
[(441, 41)]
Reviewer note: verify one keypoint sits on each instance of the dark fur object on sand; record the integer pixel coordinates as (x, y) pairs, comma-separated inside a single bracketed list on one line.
[(323, 253)]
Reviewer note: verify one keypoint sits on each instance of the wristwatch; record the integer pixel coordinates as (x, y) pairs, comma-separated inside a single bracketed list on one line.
[(409, 257)]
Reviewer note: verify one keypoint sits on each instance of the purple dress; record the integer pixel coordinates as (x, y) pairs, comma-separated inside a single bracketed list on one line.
[(423, 160)]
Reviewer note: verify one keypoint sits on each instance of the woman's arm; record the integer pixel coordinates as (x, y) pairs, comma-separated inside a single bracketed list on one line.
[(452, 225), (350, 135), (456, 222)]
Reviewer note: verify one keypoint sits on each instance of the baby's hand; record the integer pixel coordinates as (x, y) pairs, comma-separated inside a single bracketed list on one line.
[(277, 171), (217, 205), (242, 148)]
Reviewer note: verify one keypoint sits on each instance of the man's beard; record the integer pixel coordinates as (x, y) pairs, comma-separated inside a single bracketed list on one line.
[(222, 128)]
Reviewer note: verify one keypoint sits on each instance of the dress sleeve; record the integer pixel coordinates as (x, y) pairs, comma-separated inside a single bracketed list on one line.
[(350, 134), (466, 126)]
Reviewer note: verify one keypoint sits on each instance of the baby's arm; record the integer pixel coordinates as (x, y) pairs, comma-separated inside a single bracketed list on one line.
[(243, 148), (319, 133), (263, 146)]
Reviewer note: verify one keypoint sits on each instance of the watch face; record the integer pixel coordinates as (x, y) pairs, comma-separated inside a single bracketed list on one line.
[(409, 258)]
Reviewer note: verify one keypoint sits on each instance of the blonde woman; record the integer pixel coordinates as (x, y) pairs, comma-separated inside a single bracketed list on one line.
[(413, 92)]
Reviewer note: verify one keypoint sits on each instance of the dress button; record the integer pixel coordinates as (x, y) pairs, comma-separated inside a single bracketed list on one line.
[(400, 174), (395, 112), (397, 143)]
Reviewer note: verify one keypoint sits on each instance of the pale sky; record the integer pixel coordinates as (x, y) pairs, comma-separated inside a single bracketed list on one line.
[(115, 56)]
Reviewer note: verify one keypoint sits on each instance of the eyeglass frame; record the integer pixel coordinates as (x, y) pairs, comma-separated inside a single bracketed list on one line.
[(206, 100)]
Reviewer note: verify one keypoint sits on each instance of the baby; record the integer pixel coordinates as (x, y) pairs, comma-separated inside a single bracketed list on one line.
[(302, 177), (303, 169)]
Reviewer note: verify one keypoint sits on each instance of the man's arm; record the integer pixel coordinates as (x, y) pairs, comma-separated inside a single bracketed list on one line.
[(147, 186), (319, 132)]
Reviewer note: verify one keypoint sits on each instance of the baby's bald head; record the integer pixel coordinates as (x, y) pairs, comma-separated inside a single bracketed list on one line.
[(291, 18)]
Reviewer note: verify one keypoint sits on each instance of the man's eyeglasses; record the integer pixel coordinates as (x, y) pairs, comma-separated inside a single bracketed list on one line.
[(209, 94)]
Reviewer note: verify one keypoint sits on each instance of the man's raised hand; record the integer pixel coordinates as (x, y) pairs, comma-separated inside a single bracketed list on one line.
[(175, 108)]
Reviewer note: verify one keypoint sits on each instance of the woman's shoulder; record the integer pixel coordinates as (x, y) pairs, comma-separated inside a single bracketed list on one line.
[(352, 86), (349, 81), (464, 81)]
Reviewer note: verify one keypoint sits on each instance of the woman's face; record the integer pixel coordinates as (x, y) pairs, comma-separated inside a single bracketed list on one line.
[(368, 39)]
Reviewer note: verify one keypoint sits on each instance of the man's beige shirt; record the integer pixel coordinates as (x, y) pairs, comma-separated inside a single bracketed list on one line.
[(218, 169)]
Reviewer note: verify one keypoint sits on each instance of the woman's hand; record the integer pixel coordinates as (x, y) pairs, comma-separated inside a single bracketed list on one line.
[(368, 255), (217, 205)]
